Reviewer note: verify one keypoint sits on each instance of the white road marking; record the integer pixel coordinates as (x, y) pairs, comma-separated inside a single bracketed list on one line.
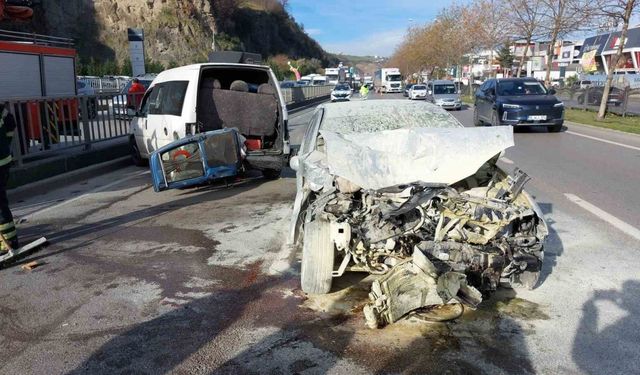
[(96, 190), (506, 160), (621, 225), (604, 140)]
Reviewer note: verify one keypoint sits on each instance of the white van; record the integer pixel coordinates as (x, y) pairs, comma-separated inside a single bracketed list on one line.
[(203, 97)]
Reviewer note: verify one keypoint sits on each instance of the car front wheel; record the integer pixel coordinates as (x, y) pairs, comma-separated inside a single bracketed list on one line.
[(317, 258)]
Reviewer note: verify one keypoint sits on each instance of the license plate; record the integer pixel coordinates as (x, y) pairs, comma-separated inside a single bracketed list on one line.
[(537, 117)]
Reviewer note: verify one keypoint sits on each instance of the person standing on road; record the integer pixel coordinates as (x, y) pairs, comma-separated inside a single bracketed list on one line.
[(136, 91), (364, 92), (7, 226)]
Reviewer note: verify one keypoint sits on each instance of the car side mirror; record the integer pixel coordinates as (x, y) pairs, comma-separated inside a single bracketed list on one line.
[(552, 91), (294, 162)]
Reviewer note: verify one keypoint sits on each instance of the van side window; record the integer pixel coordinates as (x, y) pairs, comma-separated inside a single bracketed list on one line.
[(167, 98)]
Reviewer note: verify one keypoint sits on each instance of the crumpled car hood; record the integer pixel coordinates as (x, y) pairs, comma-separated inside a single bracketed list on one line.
[(439, 156)]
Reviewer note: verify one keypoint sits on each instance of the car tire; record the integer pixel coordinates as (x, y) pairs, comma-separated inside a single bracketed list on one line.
[(271, 174), (554, 128), (317, 258), (476, 119), (136, 158)]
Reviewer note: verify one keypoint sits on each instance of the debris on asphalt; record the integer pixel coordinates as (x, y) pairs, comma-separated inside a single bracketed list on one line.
[(30, 266)]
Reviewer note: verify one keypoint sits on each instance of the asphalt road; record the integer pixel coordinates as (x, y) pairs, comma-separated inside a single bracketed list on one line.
[(200, 281)]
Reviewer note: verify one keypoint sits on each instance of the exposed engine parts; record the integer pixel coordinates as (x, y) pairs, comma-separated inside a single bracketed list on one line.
[(434, 244)]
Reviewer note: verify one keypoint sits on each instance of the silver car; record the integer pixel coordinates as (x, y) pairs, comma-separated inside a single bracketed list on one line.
[(445, 94), (402, 190)]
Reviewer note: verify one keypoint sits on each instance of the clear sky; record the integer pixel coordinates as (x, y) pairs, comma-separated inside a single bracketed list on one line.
[(362, 27)]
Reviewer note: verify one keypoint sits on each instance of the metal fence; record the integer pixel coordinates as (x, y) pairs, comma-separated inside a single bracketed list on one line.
[(105, 85), (304, 93), (622, 100), (50, 126)]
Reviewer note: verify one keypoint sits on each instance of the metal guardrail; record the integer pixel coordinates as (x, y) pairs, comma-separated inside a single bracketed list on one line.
[(304, 93), (50, 126), (105, 85)]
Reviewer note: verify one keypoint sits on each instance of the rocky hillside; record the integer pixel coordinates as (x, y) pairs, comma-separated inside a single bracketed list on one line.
[(176, 31)]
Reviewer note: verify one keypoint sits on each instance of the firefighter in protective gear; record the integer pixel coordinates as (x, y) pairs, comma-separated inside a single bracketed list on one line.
[(7, 226)]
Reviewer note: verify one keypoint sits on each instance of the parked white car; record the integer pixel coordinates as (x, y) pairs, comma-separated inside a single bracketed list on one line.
[(418, 92), (202, 97)]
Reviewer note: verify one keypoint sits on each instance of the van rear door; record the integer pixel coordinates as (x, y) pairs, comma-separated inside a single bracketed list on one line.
[(196, 160)]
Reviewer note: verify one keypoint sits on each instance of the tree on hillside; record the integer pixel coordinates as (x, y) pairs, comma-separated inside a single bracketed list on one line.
[(505, 57), (563, 17), (527, 15), (616, 11)]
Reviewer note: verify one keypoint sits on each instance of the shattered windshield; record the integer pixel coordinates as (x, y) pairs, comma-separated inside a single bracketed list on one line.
[(363, 117)]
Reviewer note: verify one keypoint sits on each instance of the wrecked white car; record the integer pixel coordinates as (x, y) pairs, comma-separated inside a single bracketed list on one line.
[(402, 190)]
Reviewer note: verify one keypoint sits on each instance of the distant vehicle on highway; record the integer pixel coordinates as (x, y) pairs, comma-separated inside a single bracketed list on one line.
[(582, 84), (341, 92), (616, 96), (557, 83), (333, 75), (418, 91), (517, 102), (388, 80), (288, 84), (319, 80), (120, 106), (407, 87), (193, 99), (92, 105), (444, 94)]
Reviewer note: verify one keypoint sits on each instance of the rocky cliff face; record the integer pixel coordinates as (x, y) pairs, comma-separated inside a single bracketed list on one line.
[(176, 31)]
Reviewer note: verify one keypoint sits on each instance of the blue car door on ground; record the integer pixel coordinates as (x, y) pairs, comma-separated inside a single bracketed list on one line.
[(196, 160)]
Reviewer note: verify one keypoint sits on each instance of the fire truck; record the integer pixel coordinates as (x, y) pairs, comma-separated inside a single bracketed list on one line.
[(38, 79)]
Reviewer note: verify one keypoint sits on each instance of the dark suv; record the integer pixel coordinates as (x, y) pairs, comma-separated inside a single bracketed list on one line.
[(517, 102)]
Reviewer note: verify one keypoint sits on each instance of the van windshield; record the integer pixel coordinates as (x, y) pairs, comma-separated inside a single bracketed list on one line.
[(444, 89)]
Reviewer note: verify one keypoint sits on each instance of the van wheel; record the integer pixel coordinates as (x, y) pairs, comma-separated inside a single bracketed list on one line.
[(136, 158), (317, 258), (271, 174)]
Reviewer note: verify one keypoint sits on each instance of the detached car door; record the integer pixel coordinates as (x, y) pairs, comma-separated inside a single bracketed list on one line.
[(197, 160)]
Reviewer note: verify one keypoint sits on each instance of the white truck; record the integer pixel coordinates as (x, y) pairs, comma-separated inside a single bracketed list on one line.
[(388, 80), (332, 75)]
